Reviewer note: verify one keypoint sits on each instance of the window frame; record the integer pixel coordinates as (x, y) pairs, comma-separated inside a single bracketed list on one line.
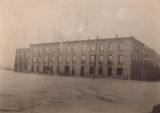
[(110, 59), (93, 47), (59, 59), (121, 46), (67, 59), (101, 47), (110, 46), (83, 59), (92, 59), (101, 59), (74, 59), (120, 59), (83, 48), (74, 48)]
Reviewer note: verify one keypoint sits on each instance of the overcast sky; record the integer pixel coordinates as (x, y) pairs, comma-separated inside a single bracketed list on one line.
[(36, 21)]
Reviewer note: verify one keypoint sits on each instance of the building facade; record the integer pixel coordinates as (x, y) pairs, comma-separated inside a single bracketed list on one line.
[(124, 57)]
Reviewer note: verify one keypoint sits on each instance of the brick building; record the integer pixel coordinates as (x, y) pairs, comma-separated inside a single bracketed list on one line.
[(124, 57)]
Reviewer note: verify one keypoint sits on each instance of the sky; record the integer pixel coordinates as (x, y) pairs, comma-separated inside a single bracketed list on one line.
[(23, 22)]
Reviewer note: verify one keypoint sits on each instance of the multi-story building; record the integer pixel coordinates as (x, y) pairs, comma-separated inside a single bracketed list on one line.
[(124, 57)]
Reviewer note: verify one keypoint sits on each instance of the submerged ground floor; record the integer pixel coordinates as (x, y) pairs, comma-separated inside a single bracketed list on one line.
[(76, 70)]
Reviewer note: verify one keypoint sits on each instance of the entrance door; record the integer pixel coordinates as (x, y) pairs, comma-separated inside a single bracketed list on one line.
[(66, 70), (82, 70), (51, 70), (119, 71), (109, 71), (91, 70), (73, 70)]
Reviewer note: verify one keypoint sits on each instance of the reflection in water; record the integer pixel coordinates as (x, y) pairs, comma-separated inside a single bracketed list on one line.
[(32, 93)]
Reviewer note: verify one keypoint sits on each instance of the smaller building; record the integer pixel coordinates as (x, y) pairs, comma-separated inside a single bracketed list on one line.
[(22, 60)]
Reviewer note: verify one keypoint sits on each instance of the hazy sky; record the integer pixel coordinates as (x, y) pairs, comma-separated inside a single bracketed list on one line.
[(33, 21)]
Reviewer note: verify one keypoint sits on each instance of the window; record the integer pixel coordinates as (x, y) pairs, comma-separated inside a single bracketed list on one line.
[(133, 58), (51, 69), (110, 47), (110, 59), (83, 48), (82, 70), (35, 50), (73, 70), (68, 48), (74, 48), (100, 70), (60, 47), (33, 59), (101, 48), (120, 59), (67, 59), (121, 46), (53, 49), (58, 70), (66, 70), (92, 47), (92, 59), (119, 71), (22, 55), (39, 59), (25, 66), (46, 49), (74, 59), (91, 70), (101, 59), (17, 56), (45, 59), (53, 58), (109, 71), (27, 55), (59, 59), (50, 49), (39, 50), (83, 59)]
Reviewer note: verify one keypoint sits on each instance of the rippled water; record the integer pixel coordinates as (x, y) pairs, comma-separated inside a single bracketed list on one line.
[(33, 93)]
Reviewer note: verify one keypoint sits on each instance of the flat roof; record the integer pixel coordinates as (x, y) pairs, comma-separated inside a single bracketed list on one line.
[(78, 41)]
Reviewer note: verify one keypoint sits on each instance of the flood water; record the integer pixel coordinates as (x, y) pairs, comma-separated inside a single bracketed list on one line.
[(33, 93)]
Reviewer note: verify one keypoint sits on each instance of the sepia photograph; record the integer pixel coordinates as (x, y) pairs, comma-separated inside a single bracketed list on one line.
[(79, 56)]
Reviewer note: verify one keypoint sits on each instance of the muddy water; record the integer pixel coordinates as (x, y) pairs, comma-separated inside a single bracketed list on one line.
[(33, 93)]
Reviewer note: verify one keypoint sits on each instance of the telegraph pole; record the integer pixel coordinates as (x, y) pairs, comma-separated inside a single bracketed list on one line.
[(94, 76), (48, 68)]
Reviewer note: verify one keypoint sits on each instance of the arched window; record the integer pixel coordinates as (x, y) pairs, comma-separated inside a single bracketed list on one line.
[(121, 46), (120, 59), (83, 59), (74, 49), (68, 48), (67, 59), (101, 48), (101, 59), (110, 59), (93, 47), (84, 48), (39, 59), (92, 59), (45, 59), (59, 59), (52, 58), (74, 59)]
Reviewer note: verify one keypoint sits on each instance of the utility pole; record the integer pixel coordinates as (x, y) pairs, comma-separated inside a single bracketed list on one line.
[(94, 76), (48, 68)]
